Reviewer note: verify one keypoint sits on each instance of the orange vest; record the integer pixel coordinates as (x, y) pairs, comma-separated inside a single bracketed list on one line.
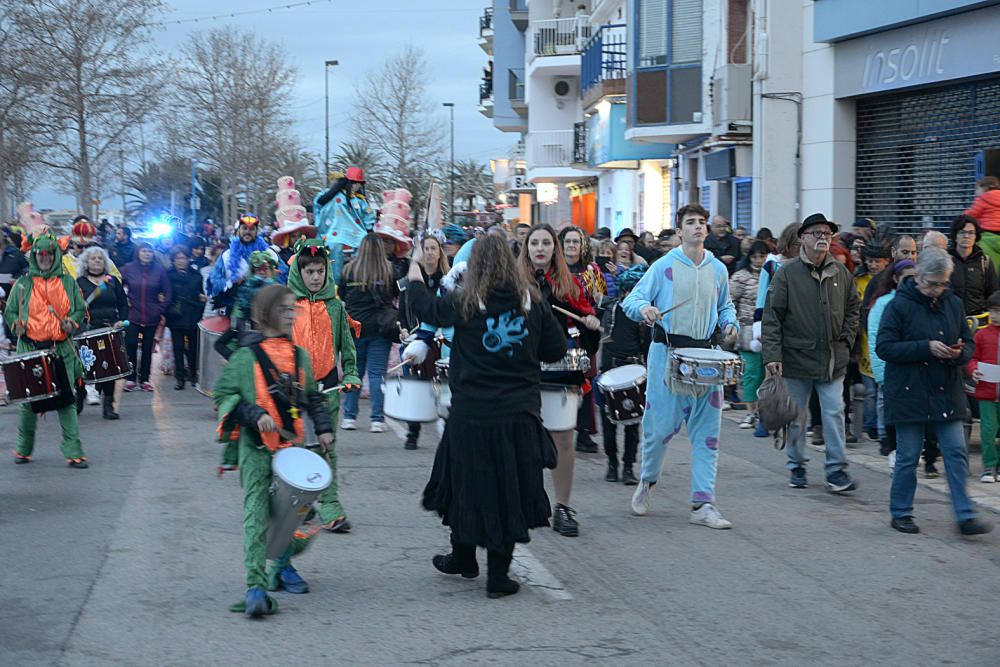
[(281, 352), (313, 331), (47, 307)]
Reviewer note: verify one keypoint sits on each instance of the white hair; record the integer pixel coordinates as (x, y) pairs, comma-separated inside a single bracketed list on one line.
[(933, 261), (81, 261)]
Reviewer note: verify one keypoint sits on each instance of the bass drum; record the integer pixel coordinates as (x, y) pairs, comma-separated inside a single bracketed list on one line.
[(210, 362), (298, 478)]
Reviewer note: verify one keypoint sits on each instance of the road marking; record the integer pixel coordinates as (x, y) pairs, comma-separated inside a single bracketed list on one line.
[(531, 571), (396, 427)]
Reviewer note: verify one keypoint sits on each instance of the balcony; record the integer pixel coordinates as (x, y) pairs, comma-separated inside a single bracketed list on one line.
[(550, 157), (602, 65), (486, 30), (486, 96), (519, 14), (556, 44), (515, 90), (580, 144)]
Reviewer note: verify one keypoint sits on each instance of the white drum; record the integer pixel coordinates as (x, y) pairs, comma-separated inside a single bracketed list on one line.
[(298, 478), (559, 406), (410, 399), (704, 366), (444, 400)]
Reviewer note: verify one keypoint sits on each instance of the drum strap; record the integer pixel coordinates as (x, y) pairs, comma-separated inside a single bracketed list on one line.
[(676, 340), (284, 390)]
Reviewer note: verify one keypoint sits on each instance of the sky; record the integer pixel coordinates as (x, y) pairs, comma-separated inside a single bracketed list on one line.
[(360, 35)]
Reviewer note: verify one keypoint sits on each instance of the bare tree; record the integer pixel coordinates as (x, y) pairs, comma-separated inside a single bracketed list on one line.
[(361, 154), (100, 83), (393, 117)]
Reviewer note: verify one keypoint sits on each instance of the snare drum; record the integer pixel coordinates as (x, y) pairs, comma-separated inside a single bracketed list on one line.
[(559, 406), (30, 376), (102, 352), (704, 367), (624, 390), (298, 478), (576, 359), (410, 400)]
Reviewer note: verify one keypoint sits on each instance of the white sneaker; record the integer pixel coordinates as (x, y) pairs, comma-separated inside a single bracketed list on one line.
[(93, 398), (708, 515), (640, 499), (988, 477), (748, 422), (378, 427), (892, 460), (349, 424)]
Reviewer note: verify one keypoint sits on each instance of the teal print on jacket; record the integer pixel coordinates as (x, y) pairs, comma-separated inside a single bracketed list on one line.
[(504, 332)]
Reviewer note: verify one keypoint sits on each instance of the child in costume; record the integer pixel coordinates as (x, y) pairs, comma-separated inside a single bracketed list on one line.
[(43, 311), (260, 396), (322, 329)]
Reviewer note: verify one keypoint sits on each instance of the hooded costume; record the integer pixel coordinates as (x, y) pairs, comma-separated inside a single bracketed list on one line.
[(322, 329), (40, 301), (343, 217), (234, 265)]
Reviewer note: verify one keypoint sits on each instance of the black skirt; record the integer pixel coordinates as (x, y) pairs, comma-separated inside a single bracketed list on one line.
[(486, 483)]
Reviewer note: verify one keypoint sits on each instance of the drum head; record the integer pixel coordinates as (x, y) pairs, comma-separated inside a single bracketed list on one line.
[(621, 377), (24, 356), (301, 468), (704, 353), (443, 363)]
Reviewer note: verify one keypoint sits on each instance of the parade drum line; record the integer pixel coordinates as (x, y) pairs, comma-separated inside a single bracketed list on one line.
[(559, 406), (30, 376), (298, 478), (576, 359), (441, 367), (704, 367), (210, 362), (410, 399), (624, 390), (103, 355)]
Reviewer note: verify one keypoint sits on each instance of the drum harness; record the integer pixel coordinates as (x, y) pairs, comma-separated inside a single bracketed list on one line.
[(284, 389)]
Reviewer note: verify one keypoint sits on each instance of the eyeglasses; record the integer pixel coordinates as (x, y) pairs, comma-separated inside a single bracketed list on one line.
[(936, 284), (819, 235), (967, 232)]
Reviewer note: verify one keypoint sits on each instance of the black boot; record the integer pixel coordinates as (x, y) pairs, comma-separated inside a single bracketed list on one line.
[(498, 584), (109, 407), (612, 474), (461, 560), (628, 477), (179, 385), (585, 444), (412, 435)]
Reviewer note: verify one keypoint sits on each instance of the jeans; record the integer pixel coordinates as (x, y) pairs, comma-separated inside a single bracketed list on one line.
[(132, 348), (373, 357), (177, 337), (871, 398), (831, 402), (909, 442)]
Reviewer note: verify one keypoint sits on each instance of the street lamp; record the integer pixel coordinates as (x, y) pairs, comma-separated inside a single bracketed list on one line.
[(451, 169), (326, 76)]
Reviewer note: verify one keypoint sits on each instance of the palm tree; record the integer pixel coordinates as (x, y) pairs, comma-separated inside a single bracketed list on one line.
[(157, 187), (359, 154), (473, 182)]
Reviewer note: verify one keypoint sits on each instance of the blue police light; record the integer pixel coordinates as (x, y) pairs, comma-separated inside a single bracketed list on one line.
[(161, 229)]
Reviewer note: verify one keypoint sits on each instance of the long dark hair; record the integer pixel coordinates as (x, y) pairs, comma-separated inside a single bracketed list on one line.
[(492, 268), (563, 285), (370, 270)]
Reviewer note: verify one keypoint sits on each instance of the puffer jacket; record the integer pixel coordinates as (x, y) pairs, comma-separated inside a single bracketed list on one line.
[(145, 283), (743, 291), (919, 386), (973, 280), (810, 319), (987, 340), (986, 210)]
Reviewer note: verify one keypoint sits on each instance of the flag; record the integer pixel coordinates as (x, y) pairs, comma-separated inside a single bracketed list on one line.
[(432, 217)]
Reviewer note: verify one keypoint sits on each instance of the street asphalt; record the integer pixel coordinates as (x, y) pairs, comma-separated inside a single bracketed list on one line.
[(135, 561)]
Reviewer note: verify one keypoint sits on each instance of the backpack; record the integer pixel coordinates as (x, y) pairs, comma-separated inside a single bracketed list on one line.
[(777, 409)]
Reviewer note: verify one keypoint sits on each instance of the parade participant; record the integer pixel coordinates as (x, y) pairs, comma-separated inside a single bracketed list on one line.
[(580, 262), (44, 310), (743, 291), (690, 278), (343, 216), (148, 295), (186, 305), (486, 483), (322, 330), (809, 325), (233, 266), (542, 257), (82, 236), (263, 267), (926, 343), (987, 393), (107, 308), (260, 397), (626, 342), (434, 267), (986, 209), (368, 288)]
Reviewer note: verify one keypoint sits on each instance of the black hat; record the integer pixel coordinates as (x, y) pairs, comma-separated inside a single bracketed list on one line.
[(603, 233), (626, 232), (816, 219)]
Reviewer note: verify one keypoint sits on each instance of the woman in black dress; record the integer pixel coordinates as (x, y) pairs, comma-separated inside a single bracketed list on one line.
[(109, 307), (487, 478)]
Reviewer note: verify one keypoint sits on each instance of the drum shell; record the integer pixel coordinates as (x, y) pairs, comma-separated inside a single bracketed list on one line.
[(443, 400), (625, 402), (210, 362), (410, 399), (289, 506), (25, 376), (560, 404), (707, 372), (111, 358), (576, 359)]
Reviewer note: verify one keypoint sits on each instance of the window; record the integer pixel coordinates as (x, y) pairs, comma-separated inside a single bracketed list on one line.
[(667, 84), (652, 21), (685, 31)]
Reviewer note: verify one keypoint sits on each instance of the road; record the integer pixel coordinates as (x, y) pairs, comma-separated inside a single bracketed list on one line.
[(135, 561)]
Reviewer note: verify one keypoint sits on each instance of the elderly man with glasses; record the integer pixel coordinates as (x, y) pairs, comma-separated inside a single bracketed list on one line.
[(809, 324)]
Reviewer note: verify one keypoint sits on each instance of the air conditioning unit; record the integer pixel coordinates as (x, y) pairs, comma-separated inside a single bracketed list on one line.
[(732, 100), (563, 88)]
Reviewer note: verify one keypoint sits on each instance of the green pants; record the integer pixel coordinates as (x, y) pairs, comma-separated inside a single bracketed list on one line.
[(27, 425), (255, 476), (990, 245), (329, 503), (989, 421), (753, 374)]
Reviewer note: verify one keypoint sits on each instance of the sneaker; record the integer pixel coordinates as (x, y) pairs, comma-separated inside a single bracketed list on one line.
[(708, 515), (930, 471), (797, 479), (840, 482), (892, 460), (93, 398), (131, 386), (760, 431), (256, 603), (612, 474), (349, 424), (640, 499), (411, 441), (146, 386), (628, 477), (726, 405), (289, 579), (974, 527), (988, 477), (749, 421), (564, 523), (378, 427)]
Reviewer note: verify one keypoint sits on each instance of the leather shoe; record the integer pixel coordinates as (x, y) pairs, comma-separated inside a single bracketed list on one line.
[(906, 525), (974, 527)]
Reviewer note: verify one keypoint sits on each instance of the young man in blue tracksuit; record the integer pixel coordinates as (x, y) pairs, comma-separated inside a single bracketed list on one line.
[(692, 279)]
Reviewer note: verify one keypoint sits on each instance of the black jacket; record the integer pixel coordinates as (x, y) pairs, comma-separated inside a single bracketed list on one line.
[(919, 386), (626, 341), (973, 280), (122, 253), (12, 261), (364, 305), (185, 309), (728, 245), (108, 307)]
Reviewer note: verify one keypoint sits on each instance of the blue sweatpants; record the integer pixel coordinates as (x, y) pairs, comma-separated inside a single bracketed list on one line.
[(666, 413)]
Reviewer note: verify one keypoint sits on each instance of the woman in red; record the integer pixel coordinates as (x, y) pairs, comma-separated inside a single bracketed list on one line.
[(542, 256)]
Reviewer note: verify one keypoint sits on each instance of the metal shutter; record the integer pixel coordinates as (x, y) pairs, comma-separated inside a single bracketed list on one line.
[(916, 152), (743, 211)]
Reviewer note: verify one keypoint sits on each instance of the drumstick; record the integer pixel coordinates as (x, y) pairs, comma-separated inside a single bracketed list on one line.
[(396, 368), (573, 316)]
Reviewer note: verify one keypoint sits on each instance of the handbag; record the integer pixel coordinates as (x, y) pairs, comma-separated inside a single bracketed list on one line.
[(777, 409), (387, 319)]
